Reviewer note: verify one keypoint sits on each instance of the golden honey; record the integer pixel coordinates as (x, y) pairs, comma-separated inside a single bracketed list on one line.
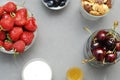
[(74, 73)]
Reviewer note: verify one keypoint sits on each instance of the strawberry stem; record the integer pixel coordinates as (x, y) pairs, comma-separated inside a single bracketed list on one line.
[(1, 28), (16, 53), (12, 14), (8, 37)]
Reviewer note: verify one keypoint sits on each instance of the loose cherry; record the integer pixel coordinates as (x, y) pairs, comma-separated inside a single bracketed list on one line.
[(110, 43), (118, 46), (95, 45), (101, 35), (99, 54), (110, 57)]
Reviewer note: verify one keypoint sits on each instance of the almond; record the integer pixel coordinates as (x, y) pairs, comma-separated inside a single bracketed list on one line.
[(88, 7), (95, 13)]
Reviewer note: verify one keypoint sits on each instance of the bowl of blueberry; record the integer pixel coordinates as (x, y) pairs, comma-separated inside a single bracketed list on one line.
[(103, 48), (55, 4)]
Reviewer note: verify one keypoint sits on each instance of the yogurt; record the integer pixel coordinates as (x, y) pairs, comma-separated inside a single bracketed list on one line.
[(37, 70)]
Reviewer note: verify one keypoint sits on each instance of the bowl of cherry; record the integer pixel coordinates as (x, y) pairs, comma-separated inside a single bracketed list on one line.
[(103, 48), (17, 28), (55, 4)]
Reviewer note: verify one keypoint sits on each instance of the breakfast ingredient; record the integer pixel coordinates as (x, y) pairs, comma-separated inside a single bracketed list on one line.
[(97, 7), (7, 22), (1, 11), (55, 3), (19, 46), (1, 43), (27, 37), (31, 24), (118, 46), (16, 28), (74, 73), (111, 57), (15, 33), (8, 45), (10, 7), (37, 70), (21, 17), (105, 46), (99, 54), (2, 35)]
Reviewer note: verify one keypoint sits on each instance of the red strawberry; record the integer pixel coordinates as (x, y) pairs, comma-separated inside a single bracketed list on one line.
[(15, 33), (2, 35), (1, 43), (8, 45), (19, 46), (31, 24), (1, 11), (10, 7), (21, 17), (27, 37), (7, 22)]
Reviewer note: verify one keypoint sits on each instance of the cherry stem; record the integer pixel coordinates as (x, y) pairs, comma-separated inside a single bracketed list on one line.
[(115, 61), (88, 60), (104, 61), (114, 49), (115, 25), (87, 29)]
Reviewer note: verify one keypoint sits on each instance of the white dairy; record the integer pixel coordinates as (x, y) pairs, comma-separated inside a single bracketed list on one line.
[(37, 70)]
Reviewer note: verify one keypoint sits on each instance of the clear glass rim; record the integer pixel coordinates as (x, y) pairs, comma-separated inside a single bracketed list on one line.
[(89, 46)]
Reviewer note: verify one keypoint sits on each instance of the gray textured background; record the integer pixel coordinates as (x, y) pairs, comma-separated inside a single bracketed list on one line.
[(60, 41)]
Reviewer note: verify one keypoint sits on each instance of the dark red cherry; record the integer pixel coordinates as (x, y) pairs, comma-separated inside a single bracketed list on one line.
[(99, 54), (118, 46), (101, 35), (95, 45), (111, 43), (110, 57)]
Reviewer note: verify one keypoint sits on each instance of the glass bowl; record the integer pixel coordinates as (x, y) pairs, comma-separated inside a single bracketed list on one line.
[(86, 13), (56, 8), (90, 57), (29, 14)]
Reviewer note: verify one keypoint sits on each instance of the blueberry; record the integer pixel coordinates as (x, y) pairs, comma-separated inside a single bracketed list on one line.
[(46, 0), (62, 3), (56, 3), (50, 3)]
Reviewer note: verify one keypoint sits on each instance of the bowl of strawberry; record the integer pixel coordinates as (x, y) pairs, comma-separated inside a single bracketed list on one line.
[(17, 28), (103, 48)]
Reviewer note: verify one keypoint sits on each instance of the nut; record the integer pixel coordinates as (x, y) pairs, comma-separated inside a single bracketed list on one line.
[(97, 7), (103, 9), (109, 3), (88, 7), (105, 1), (100, 1), (91, 1), (95, 13)]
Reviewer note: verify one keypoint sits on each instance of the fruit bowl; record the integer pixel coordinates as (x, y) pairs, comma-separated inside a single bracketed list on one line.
[(55, 4), (102, 48), (95, 9), (18, 28)]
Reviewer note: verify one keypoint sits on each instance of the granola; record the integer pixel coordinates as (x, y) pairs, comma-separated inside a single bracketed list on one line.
[(97, 7)]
